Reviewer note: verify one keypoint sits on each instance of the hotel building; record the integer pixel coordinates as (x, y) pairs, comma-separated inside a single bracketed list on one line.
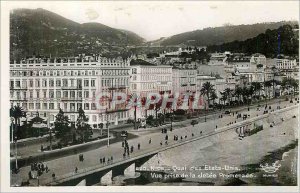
[(46, 85)]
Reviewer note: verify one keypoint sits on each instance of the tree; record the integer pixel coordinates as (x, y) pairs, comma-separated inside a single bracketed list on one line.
[(267, 85), (84, 129), (213, 96), (238, 93), (223, 97), (16, 112), (228, 92), (207, 89), (256, 87), (62, 128)]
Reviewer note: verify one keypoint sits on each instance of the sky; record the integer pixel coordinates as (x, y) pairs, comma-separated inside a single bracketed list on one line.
[(153, 20)]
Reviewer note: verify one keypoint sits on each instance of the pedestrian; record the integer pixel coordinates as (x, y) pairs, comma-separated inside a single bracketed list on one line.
[(166, 138), (200, 132), (47, 169), (192, 134), (100, 160), (185, 136), (166, 142), (123, 143), (108, 160), (139, 146), (181, 138), (216, 126), (124, 155), (111, 158), (53, 175), (131, 149), (103, 160), (42, 148), (150, 141), (76, 170), (160, 143)]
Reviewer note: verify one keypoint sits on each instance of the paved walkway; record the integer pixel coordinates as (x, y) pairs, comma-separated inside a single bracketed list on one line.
[(66, 165)]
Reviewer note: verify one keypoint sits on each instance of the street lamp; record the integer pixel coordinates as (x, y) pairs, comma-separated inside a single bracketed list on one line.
[(107, 127)]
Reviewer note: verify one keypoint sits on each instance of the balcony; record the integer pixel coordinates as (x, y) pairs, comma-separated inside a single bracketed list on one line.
[(71, 99), (71, 87)]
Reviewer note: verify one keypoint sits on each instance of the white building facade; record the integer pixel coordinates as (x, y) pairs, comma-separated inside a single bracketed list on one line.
[(46, 85)]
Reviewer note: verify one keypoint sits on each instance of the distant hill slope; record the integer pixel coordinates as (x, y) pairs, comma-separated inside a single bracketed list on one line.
[(38, 31), (219, 35), (284, 40)]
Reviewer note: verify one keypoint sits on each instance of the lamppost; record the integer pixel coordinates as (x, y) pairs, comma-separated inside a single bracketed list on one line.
[(172, 117), (107, 127), (16, 151), (204, 112), (12, 129)]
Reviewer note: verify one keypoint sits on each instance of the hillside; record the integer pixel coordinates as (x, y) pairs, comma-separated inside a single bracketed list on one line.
[(41, 32), (284, 40), (219, 35)]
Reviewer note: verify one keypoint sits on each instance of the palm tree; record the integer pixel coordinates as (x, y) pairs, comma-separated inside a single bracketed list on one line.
[(213, 96), (295, 85), (228, 92), (223, 97), (207, 89), (257, 87), (267, 85), (16, 112), (238, 93)]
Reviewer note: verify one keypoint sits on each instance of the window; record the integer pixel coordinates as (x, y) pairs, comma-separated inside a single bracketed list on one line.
[(134, 71), (65, 94), (44, 83), (94, 94), (51, 105), (51, 83), (93, 107), (24, 105), (37, 105), (79, 105), (31, 94), (25, 95), (93, 83), (86, 94), (31, 83), (37, 94), (72, 94), (79, 94), (45, 94), (86, 83), (58, 82), (86, 106), (65, 82), (72, 106), (18, 83), (31, 106), (51, 94), (45, 106), (11, 84), (58, 105), (58, 94), (72, 82), (94, 118), (37, 83)]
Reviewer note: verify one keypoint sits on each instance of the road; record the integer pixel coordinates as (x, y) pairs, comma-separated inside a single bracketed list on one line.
[(66, 165), (32, 147)]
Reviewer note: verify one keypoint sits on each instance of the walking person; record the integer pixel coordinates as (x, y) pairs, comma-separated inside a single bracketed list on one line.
[(150, 141), (139, 146), (76, 170)]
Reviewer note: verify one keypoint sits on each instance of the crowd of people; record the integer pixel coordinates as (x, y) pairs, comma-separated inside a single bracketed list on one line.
[(37, 169)]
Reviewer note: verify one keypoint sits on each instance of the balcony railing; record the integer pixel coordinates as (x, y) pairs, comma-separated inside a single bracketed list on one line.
[(71, 87)]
